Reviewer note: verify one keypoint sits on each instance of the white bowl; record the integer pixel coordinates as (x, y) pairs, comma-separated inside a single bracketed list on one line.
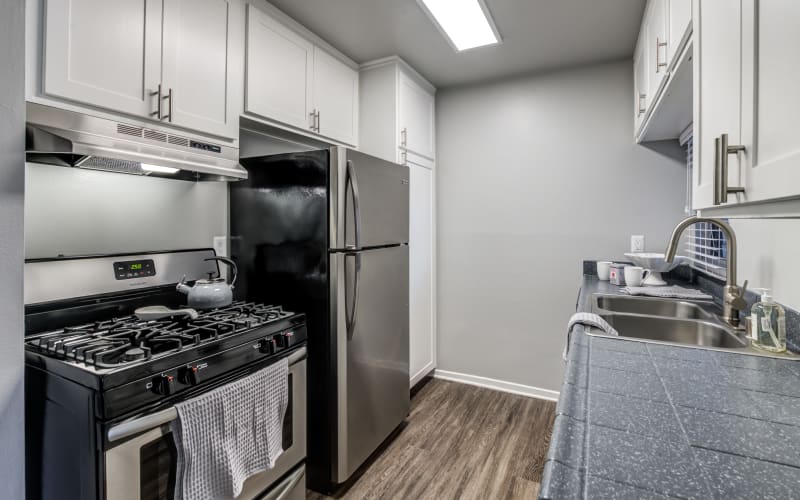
[(655, 263)]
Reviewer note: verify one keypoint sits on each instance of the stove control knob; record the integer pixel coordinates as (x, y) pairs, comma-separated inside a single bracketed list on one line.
[(285, 340), (267, 345), (188, 375), (164, 384)]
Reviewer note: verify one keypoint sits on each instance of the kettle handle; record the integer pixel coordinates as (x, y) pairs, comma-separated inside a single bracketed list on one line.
[(230, 263)]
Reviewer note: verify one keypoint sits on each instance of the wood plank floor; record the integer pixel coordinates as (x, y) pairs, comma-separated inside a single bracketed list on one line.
[(462, 442)]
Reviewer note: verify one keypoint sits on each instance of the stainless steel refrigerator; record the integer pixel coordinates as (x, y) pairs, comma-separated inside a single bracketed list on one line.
[(326, 233)]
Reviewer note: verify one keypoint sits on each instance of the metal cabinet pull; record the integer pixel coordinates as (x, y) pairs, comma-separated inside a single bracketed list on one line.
[(313, 116), (404, 137), (168, 116), (158, 95), (404, 155), (642, 109), (660, 64), (721, 152), (318, 120)]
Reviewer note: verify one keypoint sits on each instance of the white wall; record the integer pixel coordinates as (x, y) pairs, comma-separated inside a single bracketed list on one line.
[(12, 183), (535, 175), (72, 211), (769, 256)]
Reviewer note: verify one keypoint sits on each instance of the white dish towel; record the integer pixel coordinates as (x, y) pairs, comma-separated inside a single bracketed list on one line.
[(670, 292), (226, 435), (587, 319)]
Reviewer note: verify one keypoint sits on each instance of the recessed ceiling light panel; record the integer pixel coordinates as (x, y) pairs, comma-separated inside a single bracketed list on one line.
[(465, 23)]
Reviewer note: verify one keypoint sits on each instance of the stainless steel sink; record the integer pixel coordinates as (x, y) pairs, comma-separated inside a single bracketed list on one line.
[(671, 321), (653, 306), (679, 331)]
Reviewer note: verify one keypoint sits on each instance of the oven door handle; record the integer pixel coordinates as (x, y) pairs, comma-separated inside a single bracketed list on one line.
[(132, 427), (285, 488)]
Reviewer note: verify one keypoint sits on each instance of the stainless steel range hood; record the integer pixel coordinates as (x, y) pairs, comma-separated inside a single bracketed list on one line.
[(66, 138)]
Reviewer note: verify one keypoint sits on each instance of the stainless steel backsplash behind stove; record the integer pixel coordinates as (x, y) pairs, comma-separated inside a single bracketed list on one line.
[(75, 212)]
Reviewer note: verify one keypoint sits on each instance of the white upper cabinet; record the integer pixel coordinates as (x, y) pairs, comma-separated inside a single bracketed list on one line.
[(397, 112), (116, 54), (196, 66), (416, 117), (656, 45), (293, 83), (717, 87), (680, 26), (279, 72), (746, 99), (640, 85), (104, 53), (335, 94), (662, 71), (770, 101)]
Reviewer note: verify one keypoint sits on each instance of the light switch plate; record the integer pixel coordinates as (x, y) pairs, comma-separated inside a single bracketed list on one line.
[(637, 243)]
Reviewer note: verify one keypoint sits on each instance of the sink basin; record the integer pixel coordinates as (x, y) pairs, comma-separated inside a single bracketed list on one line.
[(670, 308), (678, 331)]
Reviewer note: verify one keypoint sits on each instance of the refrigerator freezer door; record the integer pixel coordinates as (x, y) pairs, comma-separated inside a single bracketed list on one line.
[(369, 318), (368, 201)]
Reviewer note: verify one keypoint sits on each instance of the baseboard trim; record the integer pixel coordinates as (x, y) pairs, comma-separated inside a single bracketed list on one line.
[(497, 385)]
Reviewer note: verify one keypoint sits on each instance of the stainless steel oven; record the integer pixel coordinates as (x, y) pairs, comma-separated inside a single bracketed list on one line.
[(140, 459)]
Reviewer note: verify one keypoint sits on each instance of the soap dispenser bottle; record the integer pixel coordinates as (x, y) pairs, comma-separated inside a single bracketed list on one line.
[(768, 324)]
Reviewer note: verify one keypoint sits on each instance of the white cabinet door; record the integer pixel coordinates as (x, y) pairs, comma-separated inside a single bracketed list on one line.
[(416, 118), (421, 282), (656, 45), (641, 97), (279, 71), (335, 95), (680, 23), (196, 66), (770, 100), (104, 53), (717, 91)]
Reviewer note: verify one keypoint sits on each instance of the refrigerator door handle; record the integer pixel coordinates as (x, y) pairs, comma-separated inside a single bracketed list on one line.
[(351, 178), (350, 317)]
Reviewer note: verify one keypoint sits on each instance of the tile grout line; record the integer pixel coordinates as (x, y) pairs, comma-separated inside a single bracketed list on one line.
[(706, 478)]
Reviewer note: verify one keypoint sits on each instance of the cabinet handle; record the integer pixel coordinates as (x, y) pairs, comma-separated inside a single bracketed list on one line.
[(642, 108), (313, 116), (168, 116), (159, 97), (318, 120), (404, 137), (660, 64), (721, 152)]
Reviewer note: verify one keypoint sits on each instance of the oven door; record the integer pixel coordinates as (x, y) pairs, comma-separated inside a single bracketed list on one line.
[(140, 462)]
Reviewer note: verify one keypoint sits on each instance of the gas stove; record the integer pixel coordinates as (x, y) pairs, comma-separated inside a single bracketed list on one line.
[(86, 332), (102, 383), (120, 342)]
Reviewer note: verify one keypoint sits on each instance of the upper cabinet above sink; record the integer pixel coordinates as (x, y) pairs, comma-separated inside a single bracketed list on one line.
[(663, 71), (747, 100)]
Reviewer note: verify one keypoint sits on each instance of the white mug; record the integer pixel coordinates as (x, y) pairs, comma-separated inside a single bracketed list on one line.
[(634, 275), (603, 269)]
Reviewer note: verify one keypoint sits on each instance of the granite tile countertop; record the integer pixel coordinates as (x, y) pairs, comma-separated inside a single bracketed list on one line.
[(638, 420)]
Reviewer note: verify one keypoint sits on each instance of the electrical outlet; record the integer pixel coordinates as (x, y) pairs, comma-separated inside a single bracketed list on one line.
[(637, 243), (221, 246)]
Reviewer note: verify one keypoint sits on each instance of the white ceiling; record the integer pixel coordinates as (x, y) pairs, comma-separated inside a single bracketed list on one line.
[(537, 35)]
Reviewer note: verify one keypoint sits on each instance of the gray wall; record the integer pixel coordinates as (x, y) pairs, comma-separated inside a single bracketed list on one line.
[(768, 256), (72, 211), (535, 175), (12, 184)]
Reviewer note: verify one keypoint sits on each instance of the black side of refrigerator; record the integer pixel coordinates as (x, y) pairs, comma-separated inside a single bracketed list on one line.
[(279, 240)]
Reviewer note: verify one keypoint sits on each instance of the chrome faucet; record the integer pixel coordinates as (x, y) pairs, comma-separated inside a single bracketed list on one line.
[(732, 295)]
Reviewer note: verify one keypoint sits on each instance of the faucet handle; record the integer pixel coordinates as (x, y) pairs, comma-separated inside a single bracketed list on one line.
[(737, 297)]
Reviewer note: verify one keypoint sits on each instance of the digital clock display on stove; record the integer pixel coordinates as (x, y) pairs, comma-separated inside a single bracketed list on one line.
[(134, 269)]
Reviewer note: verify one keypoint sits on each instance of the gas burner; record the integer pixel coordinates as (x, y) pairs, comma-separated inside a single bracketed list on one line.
[(129, 340)]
